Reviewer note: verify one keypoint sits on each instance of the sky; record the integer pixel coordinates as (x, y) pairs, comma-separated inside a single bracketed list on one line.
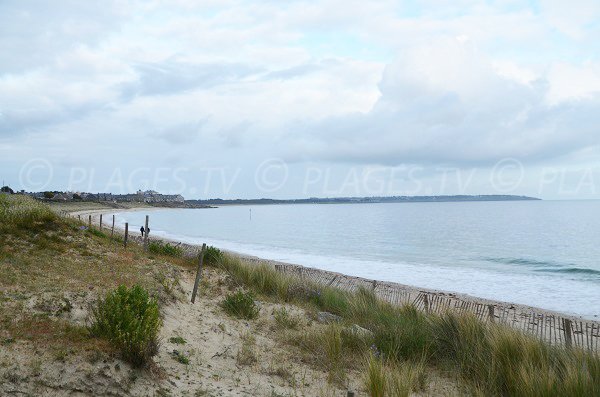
[(288, 99)]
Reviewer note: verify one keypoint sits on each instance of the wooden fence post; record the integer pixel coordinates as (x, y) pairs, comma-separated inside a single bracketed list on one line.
[(426, 302), (112, 231), (79, 217), (146, 234), (126, 234), (100, 221), (491, 313), (567, 330), (198, 273), (89, 221)]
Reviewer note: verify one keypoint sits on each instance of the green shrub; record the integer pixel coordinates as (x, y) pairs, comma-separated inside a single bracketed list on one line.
[(241, 304), (158, 247), (130, 320), (212, 255)]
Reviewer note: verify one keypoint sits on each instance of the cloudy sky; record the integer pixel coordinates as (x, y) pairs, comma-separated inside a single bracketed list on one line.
[(226, 98)]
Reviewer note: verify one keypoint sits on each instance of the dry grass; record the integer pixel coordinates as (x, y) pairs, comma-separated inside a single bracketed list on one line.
[(44, 255)]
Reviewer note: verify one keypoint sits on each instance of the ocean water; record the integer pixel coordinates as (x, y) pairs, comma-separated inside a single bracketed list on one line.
[(539, 253)]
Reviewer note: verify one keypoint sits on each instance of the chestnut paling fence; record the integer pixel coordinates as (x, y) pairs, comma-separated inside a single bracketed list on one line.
[(552, 328)]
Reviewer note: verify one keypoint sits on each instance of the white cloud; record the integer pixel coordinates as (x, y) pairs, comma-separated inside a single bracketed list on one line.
[(330, 80)]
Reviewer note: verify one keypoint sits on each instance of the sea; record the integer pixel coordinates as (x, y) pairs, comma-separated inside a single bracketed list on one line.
[(544, 254)]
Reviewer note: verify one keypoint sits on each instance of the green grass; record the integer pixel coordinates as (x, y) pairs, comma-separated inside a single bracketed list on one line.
[(241, 304), (178, 340), (489, 358), (96, 232), (129, 319), (389, 378), (284, 319), (212, 255), (19, 211), (161, 248), (180, 357)]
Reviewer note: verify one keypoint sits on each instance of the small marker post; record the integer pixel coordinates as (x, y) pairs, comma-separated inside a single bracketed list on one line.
[(126, 234), (198, 273)]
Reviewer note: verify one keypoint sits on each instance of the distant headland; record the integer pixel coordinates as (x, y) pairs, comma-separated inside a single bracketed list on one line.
[(360, 200), (154, 198)]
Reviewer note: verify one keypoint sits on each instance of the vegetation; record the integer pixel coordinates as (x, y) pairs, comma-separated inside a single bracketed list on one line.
[(19, 211), (96, 232), (130, 320), (180, 357), (393, 379), (178, 340), (241, 305), (212, 255), (161, 248), (284, 319), (490, 358), (247, 353)]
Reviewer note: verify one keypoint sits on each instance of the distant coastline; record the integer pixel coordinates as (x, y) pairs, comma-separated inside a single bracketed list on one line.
[(361, 200)]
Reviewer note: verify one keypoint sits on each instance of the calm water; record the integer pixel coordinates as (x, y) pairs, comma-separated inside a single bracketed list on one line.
[(540, 253)]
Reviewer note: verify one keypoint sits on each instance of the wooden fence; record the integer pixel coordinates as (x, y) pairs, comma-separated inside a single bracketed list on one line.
[(552, 328)]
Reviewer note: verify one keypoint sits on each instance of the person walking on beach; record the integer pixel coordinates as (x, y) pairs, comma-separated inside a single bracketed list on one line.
[(142, 230)]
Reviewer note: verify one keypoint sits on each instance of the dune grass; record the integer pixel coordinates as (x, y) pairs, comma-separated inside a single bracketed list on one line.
[(19, 211), (390, 378), (488, 358), (161, 248)]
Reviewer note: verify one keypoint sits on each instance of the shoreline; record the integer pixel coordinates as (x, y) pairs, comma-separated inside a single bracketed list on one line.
[(520, 312)]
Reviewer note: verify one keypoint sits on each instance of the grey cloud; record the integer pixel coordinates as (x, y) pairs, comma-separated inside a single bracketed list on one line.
[(300, 70), (172, 77), (412, 123), (180, 134)]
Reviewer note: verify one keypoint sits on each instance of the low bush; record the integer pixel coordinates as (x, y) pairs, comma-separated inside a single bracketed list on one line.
[(129, 319), (241, 304), (212, 255), (158, 247)]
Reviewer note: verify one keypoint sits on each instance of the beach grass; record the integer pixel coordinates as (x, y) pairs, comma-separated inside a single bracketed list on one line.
[(489, 358)]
